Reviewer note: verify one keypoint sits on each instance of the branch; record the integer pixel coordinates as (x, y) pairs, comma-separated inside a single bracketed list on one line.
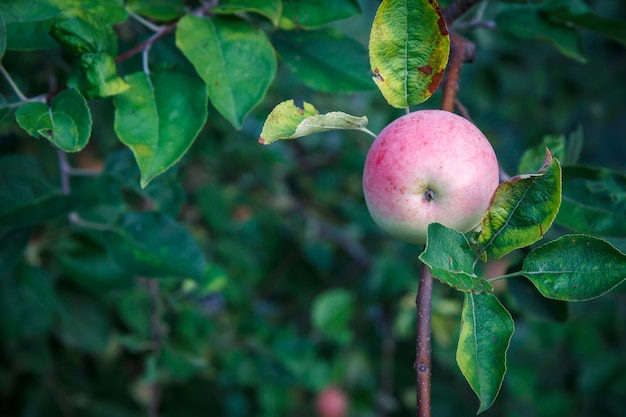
[(461, 50), (457, 9), (423, 347), (147, 43)]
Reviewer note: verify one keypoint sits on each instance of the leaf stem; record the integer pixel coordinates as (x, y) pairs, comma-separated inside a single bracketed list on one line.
[(79, 221), (506, 276), (145, 22), (369, 132), (422, 364), (14, 86)]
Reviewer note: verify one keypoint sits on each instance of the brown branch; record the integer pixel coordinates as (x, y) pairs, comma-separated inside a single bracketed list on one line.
[(423, 346), (457, 9), (147, 43), (461, 50)]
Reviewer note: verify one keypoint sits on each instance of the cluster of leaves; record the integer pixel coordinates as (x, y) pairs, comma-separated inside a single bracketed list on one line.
[(271, 280)]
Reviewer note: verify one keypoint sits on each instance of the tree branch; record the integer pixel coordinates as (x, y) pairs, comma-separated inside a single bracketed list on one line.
[(423, 346), (461, 50), (457, 9)]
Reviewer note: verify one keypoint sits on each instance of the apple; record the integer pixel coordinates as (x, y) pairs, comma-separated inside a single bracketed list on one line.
[(331, 402), (429, 166)]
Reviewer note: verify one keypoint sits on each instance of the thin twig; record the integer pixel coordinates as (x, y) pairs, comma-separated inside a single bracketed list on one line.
[(423, 355), (147, 43), (146, 23), (64, 169), (155, 327), (14, 86)]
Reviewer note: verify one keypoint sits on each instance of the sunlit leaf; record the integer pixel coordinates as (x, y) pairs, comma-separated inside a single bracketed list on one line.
[(409, 47), (99, 77), (235, 60), (288, 121), (522, 210), (486, 331), (451, 259), (575, 268), (159, 118), (594, 201)]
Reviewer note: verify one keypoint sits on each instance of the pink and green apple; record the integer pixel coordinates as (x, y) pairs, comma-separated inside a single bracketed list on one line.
[(429, 166)]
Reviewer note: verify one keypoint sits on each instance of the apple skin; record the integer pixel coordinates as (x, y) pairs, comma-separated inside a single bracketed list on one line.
[(429, 166)]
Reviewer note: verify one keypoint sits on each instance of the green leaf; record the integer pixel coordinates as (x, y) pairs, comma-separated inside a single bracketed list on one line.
[(82, 323), (27, 303), (594, 201), (164, 193), (486, 331), (575, 268), (451, 259), (3, 37), (272, 9), (533, 158), (163, 10), (522, 210), (98, 77), (26, 195), (152, 244), (28, 22), (409, 47), (80, 32), (288, 121), (85, 262), (14, 241), (578, 13), (235, 60), (159, 118), (533, 304), (308, 14), (325, 60), (67, 123), (530, 22), (331, 313)]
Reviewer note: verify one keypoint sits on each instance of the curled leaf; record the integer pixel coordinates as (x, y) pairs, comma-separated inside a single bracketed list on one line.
[(288, 121), (522, 210)]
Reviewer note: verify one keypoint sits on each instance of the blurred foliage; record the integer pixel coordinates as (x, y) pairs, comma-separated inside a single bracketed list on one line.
[(300, 289)]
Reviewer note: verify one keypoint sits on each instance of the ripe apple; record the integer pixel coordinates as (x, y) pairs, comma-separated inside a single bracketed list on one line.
[(429, 166), (331, 402)]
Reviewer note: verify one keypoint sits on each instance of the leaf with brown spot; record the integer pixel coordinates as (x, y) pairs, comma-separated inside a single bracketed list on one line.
[(409, 48)]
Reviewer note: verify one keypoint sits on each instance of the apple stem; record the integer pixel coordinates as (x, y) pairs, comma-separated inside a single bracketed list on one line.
[(422, 364)]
